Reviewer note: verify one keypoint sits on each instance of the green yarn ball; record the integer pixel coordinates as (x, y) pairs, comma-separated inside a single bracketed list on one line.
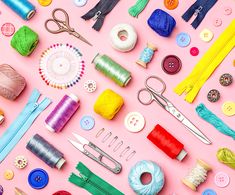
[(24, 41)]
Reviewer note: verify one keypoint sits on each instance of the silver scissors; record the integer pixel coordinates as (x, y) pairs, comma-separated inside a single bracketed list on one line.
[(81, 146), (156, 95), (63, 25)]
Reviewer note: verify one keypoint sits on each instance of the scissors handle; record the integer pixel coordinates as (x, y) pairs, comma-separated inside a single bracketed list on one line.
[(148, 100), (118, 167), (63, 25)]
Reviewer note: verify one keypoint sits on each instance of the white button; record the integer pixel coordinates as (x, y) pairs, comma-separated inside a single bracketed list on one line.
[(134, 122), (206, 35), (80, 3), (90, 86)]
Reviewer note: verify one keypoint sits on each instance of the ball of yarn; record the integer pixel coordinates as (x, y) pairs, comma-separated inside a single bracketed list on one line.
[(11, 82), (226, 156), (162, 23), (108, 104), (24, 41), (156, 184), (123, 37)]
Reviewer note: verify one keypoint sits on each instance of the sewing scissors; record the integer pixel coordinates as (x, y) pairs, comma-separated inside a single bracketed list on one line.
[(63, 25), (157, 96), (81, 146)]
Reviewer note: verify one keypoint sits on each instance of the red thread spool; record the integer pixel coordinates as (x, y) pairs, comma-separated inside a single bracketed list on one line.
[(167, 143)]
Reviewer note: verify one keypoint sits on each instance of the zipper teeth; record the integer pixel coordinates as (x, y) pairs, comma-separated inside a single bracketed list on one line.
[(98, 187), (86, 179)]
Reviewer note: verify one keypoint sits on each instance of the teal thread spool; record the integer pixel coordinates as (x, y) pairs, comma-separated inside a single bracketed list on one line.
[(21, 7), (146, 55), (24, 41), (112, 70)]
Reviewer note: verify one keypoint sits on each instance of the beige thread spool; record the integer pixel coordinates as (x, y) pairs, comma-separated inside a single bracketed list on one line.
[(197, 175), (1, 116), (145, 57)]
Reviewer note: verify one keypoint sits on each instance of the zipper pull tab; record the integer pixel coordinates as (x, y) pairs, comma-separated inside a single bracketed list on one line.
[(83, 177), (97, 14), (34, 107), (198, 10)]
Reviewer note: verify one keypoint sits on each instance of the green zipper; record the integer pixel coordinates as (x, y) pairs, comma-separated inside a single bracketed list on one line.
[(92, 183)]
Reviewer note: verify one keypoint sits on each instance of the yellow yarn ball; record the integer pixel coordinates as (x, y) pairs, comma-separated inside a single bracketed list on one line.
[(108, 104)]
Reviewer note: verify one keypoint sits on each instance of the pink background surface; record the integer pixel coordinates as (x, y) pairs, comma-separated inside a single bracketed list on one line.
[(173, 169)]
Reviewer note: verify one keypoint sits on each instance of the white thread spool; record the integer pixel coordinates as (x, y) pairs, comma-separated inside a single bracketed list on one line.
[(197, 175), (123, 37)]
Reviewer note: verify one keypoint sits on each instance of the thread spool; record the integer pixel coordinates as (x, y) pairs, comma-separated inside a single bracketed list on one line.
[(1, 116), (62, 113), (24, 41), (112, 70), (146, 55), (23, 8), (46, 152), (157, 178), (167, 143), (226, 156), (11, 82), (197, 175)]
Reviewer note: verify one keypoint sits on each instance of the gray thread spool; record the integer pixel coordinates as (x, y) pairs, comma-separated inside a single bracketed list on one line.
[(45, 151)]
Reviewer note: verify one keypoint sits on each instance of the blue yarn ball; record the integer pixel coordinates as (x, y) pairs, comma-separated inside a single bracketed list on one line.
[(162, 23), (156, 184)]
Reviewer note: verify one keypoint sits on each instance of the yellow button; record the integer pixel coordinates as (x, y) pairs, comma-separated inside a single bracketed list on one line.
[(206, 35), (44, 2), (228, 108), (8, 174)]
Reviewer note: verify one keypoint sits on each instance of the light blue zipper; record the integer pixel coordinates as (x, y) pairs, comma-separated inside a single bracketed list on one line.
[(22, 123)]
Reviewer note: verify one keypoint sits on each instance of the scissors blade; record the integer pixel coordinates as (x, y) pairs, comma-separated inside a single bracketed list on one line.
[(77, 145), (195, 131), (187, 123), (81, 38)]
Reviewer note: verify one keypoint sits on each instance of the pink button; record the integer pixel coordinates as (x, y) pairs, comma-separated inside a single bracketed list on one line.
[(194, 51), (217, 22), (221, 179), (8, 29), (227, 10)]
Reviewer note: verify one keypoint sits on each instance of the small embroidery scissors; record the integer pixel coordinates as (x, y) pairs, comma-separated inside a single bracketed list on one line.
[(156, 95), (84, 142), (63, 25)]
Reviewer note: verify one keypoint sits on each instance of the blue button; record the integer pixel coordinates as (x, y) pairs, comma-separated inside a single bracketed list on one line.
[(209, 192), (87, 123), (38, 178), (80, 3), (183, 39)]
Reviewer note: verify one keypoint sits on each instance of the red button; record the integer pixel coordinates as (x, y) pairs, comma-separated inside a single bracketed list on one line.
[(194, 51), (171, 64)]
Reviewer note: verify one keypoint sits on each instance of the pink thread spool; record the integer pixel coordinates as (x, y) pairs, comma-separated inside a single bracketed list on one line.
[(62, 113)]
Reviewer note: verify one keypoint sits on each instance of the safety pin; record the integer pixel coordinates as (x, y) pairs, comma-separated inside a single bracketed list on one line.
[(124, 151), (130, 155), (118, 146), (108, 135), (113, 141), (100, 132)]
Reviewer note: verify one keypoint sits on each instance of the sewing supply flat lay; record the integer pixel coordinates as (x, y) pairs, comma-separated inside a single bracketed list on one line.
[(92, 132)]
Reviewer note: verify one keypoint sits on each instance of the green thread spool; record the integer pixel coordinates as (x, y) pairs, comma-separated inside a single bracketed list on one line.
[(112, 70), (24, 41), (226, 156)]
